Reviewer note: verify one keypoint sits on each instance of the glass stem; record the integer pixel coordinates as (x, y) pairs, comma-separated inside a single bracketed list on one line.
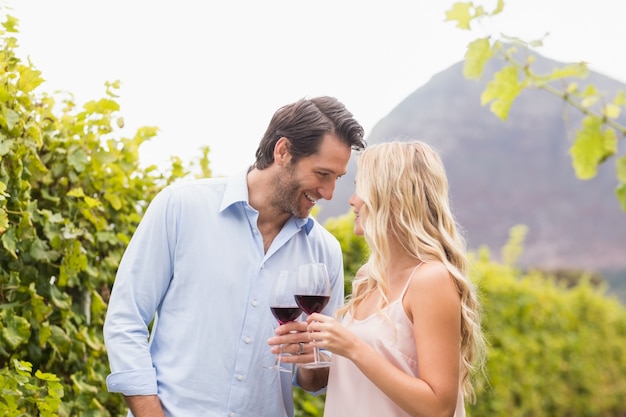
[(277, 363), (316, 355)]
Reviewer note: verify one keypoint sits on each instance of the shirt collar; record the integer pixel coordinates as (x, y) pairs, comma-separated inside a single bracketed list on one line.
[(237, 192)]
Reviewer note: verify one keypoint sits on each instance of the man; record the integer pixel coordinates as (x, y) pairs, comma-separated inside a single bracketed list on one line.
[(188, 321)]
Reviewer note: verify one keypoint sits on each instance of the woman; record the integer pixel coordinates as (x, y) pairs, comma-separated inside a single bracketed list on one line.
[(410, 334)]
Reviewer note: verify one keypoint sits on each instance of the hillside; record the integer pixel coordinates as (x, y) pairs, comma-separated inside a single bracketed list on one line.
[(503, 174)]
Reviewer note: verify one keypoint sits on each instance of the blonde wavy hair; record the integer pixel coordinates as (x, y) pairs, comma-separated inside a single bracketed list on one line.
[(404, 188)]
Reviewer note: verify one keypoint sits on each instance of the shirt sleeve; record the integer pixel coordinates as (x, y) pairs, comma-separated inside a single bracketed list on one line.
[(143, 277)]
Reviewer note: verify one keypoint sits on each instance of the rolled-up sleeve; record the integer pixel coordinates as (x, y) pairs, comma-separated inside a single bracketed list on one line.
[(142, 279), (144, 382)]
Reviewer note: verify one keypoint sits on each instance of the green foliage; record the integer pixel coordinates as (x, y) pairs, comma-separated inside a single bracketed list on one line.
[(463, 13), (553, 351), (478, 53), (595, 141), (593, 145), (354, 247), (24, 393), (308, 405), (72, 192)]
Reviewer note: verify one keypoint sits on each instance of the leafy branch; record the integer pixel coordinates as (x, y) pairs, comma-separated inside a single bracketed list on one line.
[(596, 140)]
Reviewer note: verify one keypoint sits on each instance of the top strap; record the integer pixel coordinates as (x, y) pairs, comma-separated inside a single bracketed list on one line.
[(408, 281)]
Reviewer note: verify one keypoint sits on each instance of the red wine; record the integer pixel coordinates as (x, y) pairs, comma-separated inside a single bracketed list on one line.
[(285, 314), (312, 303)]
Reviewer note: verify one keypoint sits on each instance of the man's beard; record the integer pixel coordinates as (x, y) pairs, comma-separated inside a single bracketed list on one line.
[(286, 194)]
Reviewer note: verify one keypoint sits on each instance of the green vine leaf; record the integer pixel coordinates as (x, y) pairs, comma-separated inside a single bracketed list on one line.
[(11, 117), (16, 331), (591, 147), (29, 79), (59, 340), (76, 192), (40, 252), (461, 14), (5, 145), (9, 241), (502, 91), (499, 8), (4, 221), (101, 106), (10, 24), (114, 200), (74, 261), (59, 300), (479, 52), (78, 159), (611, 111), (579, 70)]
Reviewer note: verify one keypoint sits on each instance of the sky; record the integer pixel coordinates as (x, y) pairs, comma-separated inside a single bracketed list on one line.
[(212, 73)]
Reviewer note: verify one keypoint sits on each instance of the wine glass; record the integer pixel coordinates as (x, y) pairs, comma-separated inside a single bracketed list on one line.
[(312, 295), (283, 306)]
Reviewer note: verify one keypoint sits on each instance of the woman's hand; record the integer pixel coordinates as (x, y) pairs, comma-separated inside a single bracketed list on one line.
[(327, 333)]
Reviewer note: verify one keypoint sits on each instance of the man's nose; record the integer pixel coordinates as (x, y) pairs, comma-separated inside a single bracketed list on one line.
[(327, 189)]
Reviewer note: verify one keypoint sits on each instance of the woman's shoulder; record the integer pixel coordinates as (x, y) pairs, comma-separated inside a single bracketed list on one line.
[(430, 278), (431, 269), (361, 272), (432, 288)]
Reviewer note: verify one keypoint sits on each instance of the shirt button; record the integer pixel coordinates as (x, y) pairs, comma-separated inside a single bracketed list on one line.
[(256, 232), (254, 303), (239, 377), (247, 340), (232, 415)]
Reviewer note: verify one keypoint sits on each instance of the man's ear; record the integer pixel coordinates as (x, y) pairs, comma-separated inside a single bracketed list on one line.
[(282, 151)]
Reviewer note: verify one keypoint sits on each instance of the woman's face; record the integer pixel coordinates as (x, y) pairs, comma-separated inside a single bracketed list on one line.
[(357, 205)]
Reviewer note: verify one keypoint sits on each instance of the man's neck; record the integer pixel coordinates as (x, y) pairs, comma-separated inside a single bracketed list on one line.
[(271, 220)]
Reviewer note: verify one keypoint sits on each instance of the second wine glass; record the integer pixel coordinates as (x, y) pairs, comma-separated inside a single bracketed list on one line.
[(312, 295), (283, 306)]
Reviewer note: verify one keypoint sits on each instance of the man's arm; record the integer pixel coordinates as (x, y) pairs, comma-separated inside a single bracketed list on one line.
[(144, 405), (142, 278)]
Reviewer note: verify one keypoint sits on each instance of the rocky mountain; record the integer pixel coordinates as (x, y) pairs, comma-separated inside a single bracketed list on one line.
[(506, 173)]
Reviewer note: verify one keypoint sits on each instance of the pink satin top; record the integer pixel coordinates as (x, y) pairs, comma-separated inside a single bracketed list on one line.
[(350, 393)]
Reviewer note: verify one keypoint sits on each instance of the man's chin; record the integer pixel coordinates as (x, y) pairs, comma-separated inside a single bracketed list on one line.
[(302, 214)]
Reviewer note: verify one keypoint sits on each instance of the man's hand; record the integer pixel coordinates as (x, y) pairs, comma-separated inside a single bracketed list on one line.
[(293, 339)]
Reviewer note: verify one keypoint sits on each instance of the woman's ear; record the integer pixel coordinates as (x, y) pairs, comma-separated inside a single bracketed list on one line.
[(282, 150)]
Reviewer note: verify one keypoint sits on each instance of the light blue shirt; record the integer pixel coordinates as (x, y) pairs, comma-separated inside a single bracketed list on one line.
[(197, 261)]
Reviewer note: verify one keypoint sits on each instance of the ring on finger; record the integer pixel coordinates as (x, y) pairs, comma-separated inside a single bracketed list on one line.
[(300, 348)]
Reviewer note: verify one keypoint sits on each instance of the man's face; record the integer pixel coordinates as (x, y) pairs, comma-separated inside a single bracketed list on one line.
[(299, 186)]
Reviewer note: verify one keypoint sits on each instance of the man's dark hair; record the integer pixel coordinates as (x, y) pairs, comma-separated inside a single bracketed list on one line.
[(305, 123)]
